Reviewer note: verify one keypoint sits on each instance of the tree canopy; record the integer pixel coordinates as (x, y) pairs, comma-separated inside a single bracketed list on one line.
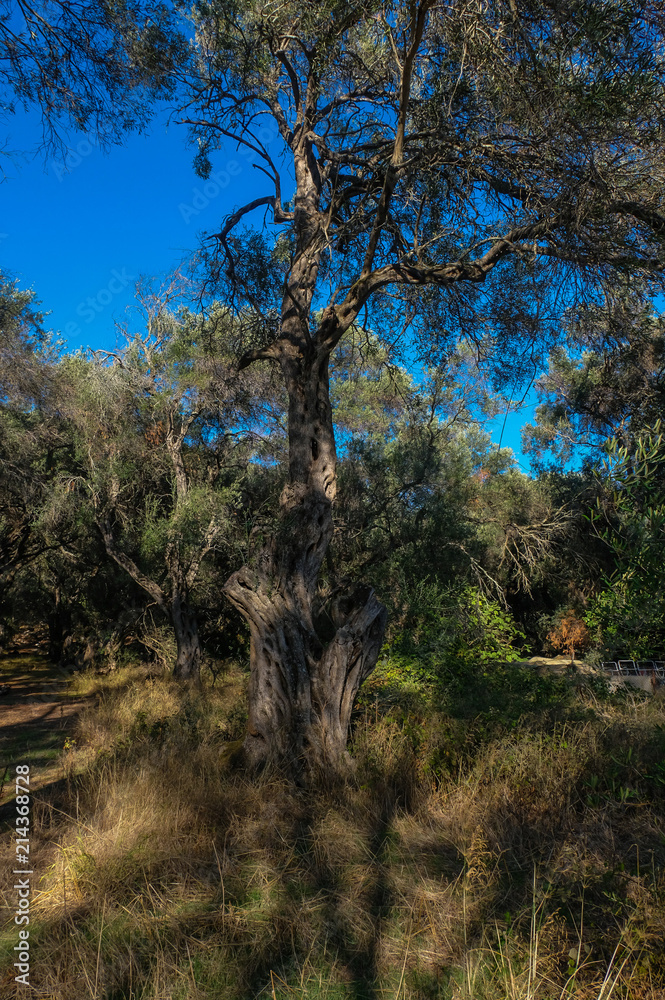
[(91, 66), (449, 186), (607, 381), (433, 145)]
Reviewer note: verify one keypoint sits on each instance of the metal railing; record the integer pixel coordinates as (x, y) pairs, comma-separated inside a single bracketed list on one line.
[(635, 668)]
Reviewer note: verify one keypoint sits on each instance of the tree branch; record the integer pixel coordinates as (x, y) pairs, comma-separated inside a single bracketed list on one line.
[(417, 27), (150, 587), (208, 542)]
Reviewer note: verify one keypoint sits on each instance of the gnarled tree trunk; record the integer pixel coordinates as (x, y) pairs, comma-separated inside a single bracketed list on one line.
[(302, 688)]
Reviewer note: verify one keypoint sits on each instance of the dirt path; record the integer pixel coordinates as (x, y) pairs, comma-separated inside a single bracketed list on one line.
[(35, 714)]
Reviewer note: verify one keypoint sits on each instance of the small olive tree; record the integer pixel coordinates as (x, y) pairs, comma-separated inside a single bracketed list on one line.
[(165, 430)]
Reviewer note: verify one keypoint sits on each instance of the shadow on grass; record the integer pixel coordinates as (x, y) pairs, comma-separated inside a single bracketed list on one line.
[(36, 714), (264, 932), (356, 952), (264, 890)]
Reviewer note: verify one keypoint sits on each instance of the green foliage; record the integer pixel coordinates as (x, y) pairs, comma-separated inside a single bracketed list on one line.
[(498, 696), (606, 381), (419, 480), (463, 623), (628, 616), (623, 624), (455, 658), (164, 433), (21, 321)]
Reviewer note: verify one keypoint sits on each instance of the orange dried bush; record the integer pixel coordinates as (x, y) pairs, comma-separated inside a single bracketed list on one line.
[(569, 633)]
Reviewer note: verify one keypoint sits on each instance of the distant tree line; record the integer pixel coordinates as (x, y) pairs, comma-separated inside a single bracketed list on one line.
[(134, 481)]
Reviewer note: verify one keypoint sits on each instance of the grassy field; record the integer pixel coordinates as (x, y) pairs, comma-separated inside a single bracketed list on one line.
[(503, 838)]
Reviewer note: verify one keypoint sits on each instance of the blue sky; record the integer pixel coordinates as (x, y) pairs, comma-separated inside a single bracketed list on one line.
[(82, 229)]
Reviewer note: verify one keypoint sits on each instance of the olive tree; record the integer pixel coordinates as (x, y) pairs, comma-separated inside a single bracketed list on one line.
[(609, 381), (440, 169), (27, 443), (165, 430)]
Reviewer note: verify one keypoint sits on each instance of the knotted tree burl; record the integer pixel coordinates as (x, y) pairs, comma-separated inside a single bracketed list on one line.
[(440, 159)]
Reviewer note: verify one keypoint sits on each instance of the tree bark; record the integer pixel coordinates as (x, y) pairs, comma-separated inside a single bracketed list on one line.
[(303, 683), (188, 658)]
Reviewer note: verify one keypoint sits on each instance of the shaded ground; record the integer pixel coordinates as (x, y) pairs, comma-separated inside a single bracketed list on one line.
[(35, 715)]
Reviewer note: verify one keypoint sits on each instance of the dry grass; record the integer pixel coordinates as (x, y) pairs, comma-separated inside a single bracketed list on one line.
[(528, 867)]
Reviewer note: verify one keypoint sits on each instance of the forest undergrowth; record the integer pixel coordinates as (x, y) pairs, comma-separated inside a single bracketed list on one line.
[(501, 839)]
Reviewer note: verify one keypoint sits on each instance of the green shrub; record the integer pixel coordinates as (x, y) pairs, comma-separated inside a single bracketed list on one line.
[(464, 621)]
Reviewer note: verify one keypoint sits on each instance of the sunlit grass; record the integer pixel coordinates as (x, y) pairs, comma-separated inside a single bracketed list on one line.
[(469, 858)]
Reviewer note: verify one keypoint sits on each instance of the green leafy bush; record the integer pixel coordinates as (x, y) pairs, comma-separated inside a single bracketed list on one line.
[(628, 616), (464, 622)]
